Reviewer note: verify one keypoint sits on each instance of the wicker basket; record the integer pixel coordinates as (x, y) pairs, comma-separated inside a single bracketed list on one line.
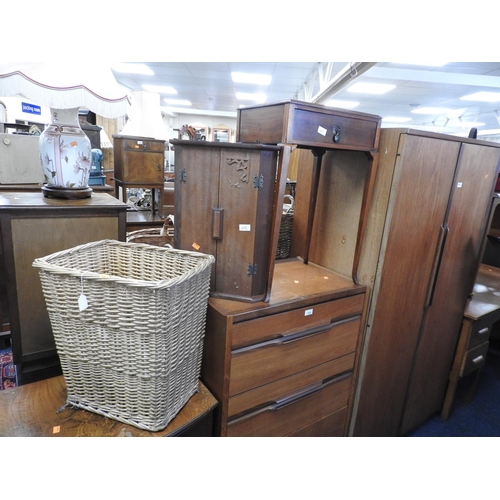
[(285, 235), (134, 354), (160, 237)]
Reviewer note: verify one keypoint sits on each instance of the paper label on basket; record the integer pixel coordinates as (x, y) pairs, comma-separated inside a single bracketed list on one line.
[(82, 302)]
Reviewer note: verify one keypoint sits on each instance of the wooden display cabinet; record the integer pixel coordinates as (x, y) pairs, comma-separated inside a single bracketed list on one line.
[(32, 226)]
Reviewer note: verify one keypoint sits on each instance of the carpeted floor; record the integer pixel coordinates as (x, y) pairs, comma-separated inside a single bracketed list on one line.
[(480, 418)]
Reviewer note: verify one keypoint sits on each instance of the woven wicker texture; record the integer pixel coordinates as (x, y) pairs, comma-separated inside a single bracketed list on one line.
[(285, 234), (134, 354), (154, 236)]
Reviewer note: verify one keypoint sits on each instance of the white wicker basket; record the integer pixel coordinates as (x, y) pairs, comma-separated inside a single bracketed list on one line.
[(134, 354)]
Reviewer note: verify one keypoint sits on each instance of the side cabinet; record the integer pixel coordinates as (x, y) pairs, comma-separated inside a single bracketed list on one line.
[(225, 206), (139, 162), (32, 226), (286, 368)]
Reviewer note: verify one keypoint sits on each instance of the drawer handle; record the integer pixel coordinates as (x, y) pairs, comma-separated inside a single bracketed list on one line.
[(285, 339), (478, 360), (483, 331), (292, 398), (336, 133), (217, 223)]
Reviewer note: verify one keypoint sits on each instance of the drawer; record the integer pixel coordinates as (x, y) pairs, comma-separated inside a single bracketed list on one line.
[(272, 360), (330, 426), (270, 327), (295, 412), (480, 332), (308, 125), (324, 128), (144, 145), (274, 391), (474, 359)]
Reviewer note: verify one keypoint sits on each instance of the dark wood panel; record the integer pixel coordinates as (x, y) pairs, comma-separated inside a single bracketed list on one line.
[(330, 426), (468, 214), (421, 186)]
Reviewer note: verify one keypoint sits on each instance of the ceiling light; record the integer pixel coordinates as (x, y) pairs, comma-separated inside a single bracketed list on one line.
[(136, 68), (435, 64), (396, 119), (335, 103), (244, 96), (371, 88), (159, 89), (482, 96), (178, 102), (493, 131), (429, 110), (251, 78)]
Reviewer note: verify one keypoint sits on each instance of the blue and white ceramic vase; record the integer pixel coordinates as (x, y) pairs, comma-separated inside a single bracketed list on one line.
[(65, 151)]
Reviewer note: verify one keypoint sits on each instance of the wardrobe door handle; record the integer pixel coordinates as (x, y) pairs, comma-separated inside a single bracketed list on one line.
[(217, 223), (437, 263)]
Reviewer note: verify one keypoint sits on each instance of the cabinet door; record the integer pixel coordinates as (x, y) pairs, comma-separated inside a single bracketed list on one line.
[(196, 194), (423, 177), (143, 161), (454, 280), (246, 189)]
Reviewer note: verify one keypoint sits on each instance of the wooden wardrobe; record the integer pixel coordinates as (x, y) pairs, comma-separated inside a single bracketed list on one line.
[(421, 254)]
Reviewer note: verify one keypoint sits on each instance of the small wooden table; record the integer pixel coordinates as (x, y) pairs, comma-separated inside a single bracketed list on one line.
[(31, 411), (481, 312)]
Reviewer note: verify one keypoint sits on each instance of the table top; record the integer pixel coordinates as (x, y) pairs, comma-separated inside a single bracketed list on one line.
[(486, 298), (31, 411)]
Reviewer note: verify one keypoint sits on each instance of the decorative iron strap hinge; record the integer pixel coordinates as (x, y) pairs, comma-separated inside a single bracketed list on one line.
[(182, 175), (258, 181), (252, 269)]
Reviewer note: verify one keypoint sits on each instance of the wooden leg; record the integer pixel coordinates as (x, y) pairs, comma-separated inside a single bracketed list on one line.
[(449, 398), (471, 389)]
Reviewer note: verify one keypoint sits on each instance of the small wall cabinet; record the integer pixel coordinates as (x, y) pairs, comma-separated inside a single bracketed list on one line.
[(225, 206)]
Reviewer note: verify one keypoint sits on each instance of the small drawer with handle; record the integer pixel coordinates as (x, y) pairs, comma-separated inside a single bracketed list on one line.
[(474, 359)]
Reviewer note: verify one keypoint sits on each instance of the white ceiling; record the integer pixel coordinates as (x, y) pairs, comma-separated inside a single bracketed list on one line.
[(210, 89)]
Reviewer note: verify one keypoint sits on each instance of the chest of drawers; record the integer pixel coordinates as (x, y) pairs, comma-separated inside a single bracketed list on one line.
[(287, 367)]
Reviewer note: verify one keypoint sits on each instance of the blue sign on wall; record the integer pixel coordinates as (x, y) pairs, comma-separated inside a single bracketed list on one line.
[(31, 108)]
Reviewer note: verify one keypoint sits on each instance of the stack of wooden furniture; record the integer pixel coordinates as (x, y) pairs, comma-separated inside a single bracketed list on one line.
[(287, 364)]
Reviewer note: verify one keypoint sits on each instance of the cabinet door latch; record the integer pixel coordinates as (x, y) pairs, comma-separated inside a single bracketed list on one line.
[(252, 269), (258, 182)]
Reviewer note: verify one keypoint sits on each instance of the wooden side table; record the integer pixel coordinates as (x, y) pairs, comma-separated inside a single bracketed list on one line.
[(482, 311), (31, 410)]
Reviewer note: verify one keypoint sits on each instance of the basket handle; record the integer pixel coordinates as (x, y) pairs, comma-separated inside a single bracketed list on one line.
[(292, 203)]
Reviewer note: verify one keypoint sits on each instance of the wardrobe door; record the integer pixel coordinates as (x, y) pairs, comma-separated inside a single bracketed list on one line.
[(454, 280), (422, 182)]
